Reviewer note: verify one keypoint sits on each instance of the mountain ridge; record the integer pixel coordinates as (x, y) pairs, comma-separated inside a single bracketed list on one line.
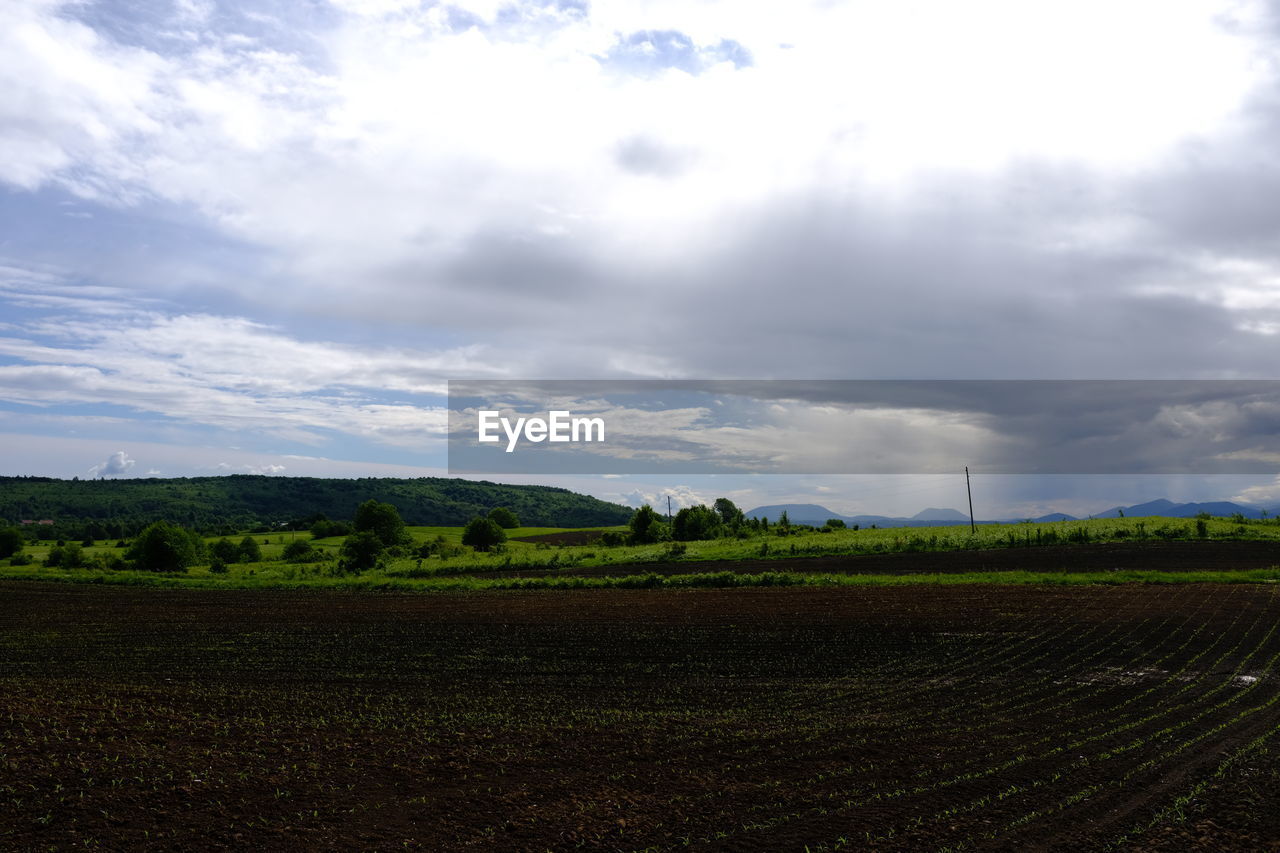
[(934, 517)]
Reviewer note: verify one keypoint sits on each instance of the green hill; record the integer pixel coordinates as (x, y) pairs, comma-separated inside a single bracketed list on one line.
[(121, 507)]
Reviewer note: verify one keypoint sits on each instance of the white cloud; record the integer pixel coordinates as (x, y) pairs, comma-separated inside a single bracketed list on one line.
[(223, 371), (115, 465), (681, 497)]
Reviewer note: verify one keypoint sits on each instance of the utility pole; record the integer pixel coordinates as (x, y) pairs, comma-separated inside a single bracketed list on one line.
[(973, 528), (669, 507)]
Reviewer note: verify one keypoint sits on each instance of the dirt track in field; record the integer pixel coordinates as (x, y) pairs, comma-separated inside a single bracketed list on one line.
[(1098, 557), (1047, 718)]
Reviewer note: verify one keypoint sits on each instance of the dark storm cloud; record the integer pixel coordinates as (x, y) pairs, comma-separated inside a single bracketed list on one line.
[(791, 426)]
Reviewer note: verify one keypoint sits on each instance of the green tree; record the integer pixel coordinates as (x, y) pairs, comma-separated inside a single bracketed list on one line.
[(165, 547), (225, 550), (730, 515), (11, 542), (504, 518), (383, 520), (647, 527), (483, 534), (250, 550), (361, 550), (695, 522)]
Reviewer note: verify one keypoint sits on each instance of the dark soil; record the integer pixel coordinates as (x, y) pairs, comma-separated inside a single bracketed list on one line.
[(880, 718), (564, 537)]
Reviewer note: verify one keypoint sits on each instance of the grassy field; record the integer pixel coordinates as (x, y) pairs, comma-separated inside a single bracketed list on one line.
[(560, 565)]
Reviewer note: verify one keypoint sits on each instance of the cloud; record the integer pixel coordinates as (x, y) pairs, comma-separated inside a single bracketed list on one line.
[(268, 468), (894, 194), (681, 497), (115, 465), (653, 51)]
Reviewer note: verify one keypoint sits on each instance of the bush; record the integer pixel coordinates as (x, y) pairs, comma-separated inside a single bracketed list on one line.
[(11, 542), (612, 539), (218, 566), (225, 551), (250, 552), (165, 547), (483, 534), (65, 557), (300, 551), (504, 518), (325, 529), (361, 550)]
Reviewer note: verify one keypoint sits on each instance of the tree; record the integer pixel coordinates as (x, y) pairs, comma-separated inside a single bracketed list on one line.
[(729, 513), (361, 550), (647, 527), (504, 518), (382, 520), (482, 534), (250, 551), (11, 542), (695, 522), (165, 547), (225, 550), (835, 524)]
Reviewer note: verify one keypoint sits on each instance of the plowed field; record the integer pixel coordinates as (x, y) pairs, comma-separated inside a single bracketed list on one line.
[(868, 718)]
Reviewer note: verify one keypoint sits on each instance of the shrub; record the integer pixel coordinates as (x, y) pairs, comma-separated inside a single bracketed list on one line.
[(218, 566), (361, 550), (300, 551), (225, 551), (165, 547), (483, 534), (324, 529), (11, 542), (20, 559), (612, 539), (250, 551)]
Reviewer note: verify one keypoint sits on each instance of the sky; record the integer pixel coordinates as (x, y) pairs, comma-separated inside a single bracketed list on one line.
[(261, 237)]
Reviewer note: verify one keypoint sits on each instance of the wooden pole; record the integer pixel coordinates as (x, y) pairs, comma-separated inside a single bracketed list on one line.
[(973, 528)]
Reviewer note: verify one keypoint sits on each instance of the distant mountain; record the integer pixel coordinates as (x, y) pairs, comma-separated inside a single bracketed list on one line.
[(817, 514), (799, 513), (1188, 510), (935, 514)]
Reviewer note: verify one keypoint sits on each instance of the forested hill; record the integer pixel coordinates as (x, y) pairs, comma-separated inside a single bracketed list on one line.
[(243, 500)]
